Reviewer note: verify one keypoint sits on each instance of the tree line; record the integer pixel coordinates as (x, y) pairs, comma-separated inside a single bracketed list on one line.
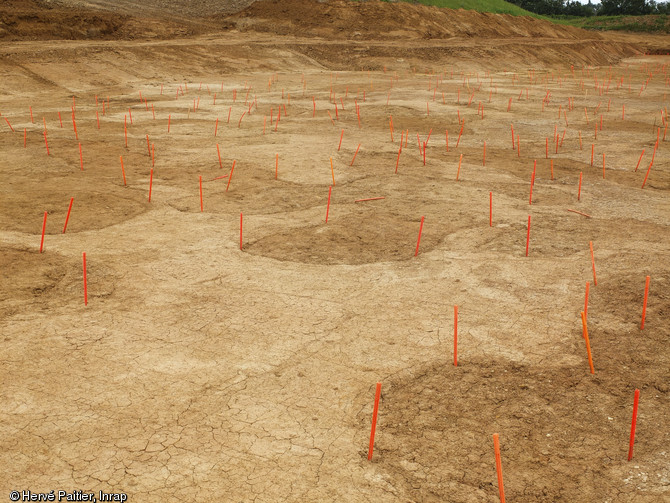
[(604, 8)]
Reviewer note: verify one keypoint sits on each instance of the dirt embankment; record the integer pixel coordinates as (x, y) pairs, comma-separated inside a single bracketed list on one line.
[(36, 20), (386, 30), (341, 19), (382, 20)]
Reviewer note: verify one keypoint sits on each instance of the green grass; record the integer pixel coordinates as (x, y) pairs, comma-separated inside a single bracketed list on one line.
[(643, 24), (494, 6)]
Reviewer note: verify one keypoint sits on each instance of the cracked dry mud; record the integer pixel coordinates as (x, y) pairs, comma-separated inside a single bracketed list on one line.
[(199, 372)]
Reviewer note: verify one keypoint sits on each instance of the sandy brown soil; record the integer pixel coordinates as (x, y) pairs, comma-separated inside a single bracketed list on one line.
[(202, 372)]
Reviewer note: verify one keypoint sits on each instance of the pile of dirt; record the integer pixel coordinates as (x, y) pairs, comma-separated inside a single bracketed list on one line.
[(161, 8), (375, 19), (564, 433), (36, 20), (339, 19), (30, 20)]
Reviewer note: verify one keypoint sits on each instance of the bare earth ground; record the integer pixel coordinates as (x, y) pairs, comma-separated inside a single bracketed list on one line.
[(202, 372)]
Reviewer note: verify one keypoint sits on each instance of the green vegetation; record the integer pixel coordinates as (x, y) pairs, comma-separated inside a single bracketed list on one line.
[(646, 24), (494, 6), (604, 8), (561, 11)]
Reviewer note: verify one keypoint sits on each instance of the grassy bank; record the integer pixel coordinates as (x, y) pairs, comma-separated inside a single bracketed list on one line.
[(646, 24), (494, 6)]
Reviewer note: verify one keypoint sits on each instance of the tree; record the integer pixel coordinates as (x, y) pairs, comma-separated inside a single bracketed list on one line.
[(625, 7), (544, 7), (575, 8)]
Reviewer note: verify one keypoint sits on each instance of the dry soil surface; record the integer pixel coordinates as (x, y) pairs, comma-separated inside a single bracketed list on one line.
[(215, 365)]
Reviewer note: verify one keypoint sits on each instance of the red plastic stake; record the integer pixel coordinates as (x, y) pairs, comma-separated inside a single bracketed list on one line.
[(636, 399), (218, 152), (378, 393), (330, 190), (46, 142), (518, 146), (83, 256), (398, 159), (355, 154), (418, 241), (341, 136), (369, 199), (585, 334), (123, 171), (644, 306), (579, 191), (230, 176), (44, 227), (69, 209), (496, 448), (644, 182), (639, 160), (151, 182)]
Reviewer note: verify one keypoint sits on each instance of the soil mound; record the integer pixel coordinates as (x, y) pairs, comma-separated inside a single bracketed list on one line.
[(339, 19), (382, 20), (555, 447), (35, 20)]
